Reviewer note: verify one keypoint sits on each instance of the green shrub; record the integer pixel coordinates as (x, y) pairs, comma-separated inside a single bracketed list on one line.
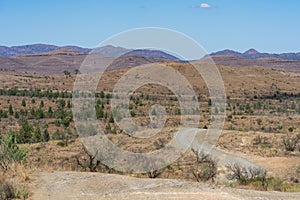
[(10, 152), (62, 143), (57, 135), (276, 184)]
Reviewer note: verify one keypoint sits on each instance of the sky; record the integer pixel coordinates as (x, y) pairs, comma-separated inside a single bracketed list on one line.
[(266, 25)]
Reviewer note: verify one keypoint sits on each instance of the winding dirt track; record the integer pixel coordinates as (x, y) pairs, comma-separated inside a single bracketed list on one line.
[(79, 185), (191, 138)]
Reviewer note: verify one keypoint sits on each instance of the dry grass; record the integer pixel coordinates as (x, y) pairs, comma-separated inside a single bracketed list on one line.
[(13, 183), (241, 84)]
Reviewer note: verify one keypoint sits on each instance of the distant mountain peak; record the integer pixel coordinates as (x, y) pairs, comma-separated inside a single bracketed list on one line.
[(147, 53), (226, 52), (111, 51), (251, 52)]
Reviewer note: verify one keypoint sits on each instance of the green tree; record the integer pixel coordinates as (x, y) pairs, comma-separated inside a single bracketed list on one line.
[(132, 113), (17, 116), (42, 104), (24, 135), (111, 119), (10, 110), (39, 114), (61, 104), (50, 112), (102, 94), (23, 103), (209, 102), (153, 112), (291, 129), (99, 112), (46, 135), (69, 105), (37, 135)]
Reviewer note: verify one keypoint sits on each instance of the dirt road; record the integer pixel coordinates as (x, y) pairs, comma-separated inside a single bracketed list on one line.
[(191, 138), (82, 185)]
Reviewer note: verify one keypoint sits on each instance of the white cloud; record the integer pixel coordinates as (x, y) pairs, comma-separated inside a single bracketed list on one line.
[(205, 5)]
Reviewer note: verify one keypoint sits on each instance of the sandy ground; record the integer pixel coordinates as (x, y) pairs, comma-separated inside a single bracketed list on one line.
[(79, 185)]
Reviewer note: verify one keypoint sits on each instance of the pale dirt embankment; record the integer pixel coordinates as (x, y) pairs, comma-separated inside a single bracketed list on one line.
[(83, 185)]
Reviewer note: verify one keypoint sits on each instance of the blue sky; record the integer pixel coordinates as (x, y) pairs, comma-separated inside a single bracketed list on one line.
[(266, 25)]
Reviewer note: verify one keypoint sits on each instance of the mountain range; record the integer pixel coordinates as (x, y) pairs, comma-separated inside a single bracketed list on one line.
[(252, 53), (36, 49), (107, 50), (112, 51), (50, 59)]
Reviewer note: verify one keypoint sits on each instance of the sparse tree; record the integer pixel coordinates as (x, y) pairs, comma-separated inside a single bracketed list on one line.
[(10, 109), (42, 104), (69, 105), (67, 73), (24, 135), (23, 103), (111, 119), (77, 71), (37, 135), (46, 135)]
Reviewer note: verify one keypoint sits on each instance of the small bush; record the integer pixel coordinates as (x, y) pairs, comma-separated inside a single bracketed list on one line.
[(290, 143), (247, 175), (7, 190), (91, 163), (276, 184), (260, 140), (11, 190), (237, 172), (205, 168), (62, 143), (154, 173), (298, 169)]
